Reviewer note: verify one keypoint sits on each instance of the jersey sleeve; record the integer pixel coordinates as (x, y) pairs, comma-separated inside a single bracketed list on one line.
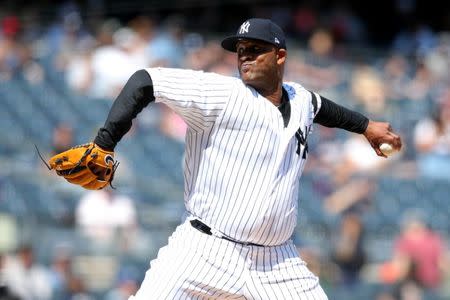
[(310, 101), (316, 102), (197, 96)]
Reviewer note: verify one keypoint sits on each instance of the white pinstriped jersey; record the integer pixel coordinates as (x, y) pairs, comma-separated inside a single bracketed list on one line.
[(242, 166)]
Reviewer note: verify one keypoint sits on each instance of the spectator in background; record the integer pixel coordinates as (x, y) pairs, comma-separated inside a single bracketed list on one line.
[(353, 176), (318, 262), (78, 75), (348, 252), (305, 19), (346, 26), (127, 285), (10, 26), (326, 153), (210, 57), (396, 76), (102, 71), (104, 215), (16, 53), (62, 41), (76, 290), (438, 60), (66, 284), (62, 138), (27, 278), (145, 29), (414, 40), (59, 270), (385, 295), (368, 89), (409, 291), (419, 255), (357, 159), (5, 292), (63, 35), (432, 141), (418, 88), (127, 51), (316, 68), (9, 47), (167, 48)]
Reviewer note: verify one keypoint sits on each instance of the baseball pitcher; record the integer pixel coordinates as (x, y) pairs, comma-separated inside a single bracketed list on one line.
[(246, 147)]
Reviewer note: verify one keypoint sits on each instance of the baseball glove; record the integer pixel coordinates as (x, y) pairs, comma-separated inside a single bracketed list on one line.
[(87, 165)]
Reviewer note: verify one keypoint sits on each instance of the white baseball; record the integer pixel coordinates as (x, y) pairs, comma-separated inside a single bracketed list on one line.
[(387, 149)]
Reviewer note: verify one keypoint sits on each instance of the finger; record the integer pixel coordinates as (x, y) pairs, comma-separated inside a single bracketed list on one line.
[(396, 142), (378, 151)]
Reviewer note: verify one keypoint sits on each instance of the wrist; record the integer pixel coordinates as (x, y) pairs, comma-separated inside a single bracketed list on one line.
[(366, 130), (104, 144)]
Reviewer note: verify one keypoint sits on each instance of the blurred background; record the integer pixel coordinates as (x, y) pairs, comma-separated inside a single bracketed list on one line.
[(371, 228)]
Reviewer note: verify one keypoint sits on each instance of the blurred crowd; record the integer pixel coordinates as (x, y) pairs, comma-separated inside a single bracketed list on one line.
[(406, 83)]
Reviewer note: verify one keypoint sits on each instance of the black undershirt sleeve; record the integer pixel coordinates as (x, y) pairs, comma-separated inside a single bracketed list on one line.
[(135, 95), (285, 108), (334, 115)]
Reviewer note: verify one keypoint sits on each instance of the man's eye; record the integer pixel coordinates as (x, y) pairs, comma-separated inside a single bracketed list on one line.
[(254, 50), (250, 50)]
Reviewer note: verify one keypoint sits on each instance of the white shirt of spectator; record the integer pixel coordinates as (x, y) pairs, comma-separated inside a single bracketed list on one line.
[(99, 214)]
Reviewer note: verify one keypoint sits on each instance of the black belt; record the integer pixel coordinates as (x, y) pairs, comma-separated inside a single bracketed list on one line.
[(202, 227)]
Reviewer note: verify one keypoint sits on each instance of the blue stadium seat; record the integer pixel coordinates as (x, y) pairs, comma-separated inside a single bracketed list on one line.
[(33, 121), (11, 200)]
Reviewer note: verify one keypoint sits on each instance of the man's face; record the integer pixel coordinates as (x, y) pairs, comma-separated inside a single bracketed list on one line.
[(260, 64)]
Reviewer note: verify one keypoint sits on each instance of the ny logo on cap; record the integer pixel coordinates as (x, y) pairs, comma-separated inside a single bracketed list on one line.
[(244, 27)]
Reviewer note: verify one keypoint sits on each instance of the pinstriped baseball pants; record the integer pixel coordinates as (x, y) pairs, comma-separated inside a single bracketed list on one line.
[(195, 265)]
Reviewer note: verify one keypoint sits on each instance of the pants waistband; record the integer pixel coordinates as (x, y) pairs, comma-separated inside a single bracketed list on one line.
[(202, 227)]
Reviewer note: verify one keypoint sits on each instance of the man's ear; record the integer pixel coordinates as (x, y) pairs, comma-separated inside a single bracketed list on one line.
[(281, 56)]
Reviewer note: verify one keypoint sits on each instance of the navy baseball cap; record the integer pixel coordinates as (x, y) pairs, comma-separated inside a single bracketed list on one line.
[(257, 29)]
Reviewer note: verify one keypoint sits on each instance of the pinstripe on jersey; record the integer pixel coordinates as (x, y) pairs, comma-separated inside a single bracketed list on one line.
[(198, 266), (242, 166)]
